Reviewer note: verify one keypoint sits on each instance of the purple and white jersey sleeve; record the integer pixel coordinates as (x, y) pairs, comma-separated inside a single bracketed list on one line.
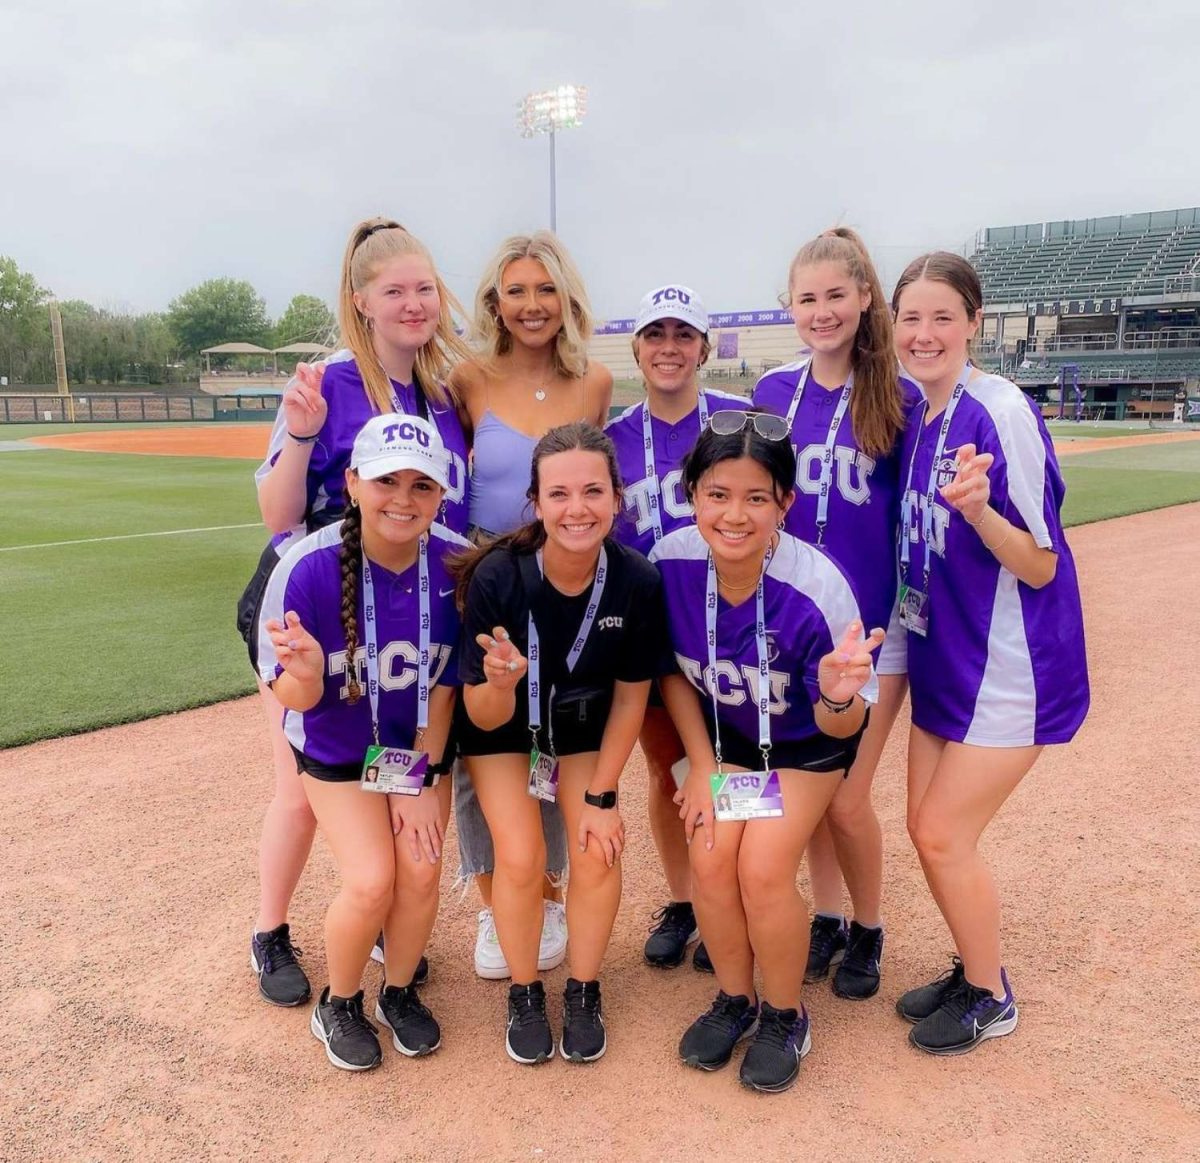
[(808, 604), (349, 408), (864, 495), (1003, 664), (672, 442), (309, 581)]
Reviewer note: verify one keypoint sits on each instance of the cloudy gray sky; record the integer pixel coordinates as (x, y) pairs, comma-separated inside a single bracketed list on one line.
[(144, 148)]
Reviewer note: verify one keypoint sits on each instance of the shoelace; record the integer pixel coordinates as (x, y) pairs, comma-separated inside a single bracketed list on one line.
[(964, 999), (351, 1020), (584, 1003), (860, 948), (675, 917), (277, 952), (405, 1002), (953, 974), (774, 1029), (725, 1014), (822, 942), (530, 1008)]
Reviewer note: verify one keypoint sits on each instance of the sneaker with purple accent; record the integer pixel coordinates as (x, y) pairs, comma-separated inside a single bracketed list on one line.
[(826, 946), (968, 1015), (773, 1060), (708, 1043)]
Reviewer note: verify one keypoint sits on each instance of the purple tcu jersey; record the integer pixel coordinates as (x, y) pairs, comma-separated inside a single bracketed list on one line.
[(808, 605), (1003, 664), (864, 495), (309, 581), (672, 442), (349, 410)]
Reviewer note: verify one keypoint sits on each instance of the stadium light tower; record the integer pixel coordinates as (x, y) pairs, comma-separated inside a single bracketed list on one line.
[(547, 112)]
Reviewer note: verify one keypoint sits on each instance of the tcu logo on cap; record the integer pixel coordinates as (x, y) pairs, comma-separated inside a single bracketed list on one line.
[(406, 431), (671, 295)]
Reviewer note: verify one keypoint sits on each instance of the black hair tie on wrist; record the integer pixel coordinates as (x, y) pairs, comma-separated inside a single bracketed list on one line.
[(836, 708), (304, 439)]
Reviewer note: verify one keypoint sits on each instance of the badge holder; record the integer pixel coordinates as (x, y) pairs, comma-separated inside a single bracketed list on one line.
[(746, 795), (395, 771), (543, 773), (914, 610)]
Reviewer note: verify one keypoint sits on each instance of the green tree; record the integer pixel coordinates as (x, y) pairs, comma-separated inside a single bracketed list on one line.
[(24, 325), (218, 311), (306, 320)]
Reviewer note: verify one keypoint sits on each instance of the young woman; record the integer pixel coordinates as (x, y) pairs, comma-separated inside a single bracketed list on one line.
[(563, 630), (776, 660), (846, 406), (995, 632), (670, 344), (532, 326), (356, 638), (395, 317)]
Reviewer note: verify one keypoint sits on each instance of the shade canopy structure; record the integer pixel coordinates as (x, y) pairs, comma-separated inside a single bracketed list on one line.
[(254, 349), (303, 349)]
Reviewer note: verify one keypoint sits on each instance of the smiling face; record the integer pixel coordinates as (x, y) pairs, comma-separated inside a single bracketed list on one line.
[(576, 501), (396, 509), (933, 331), (738, 511), (668, 352), (827, 305), (401, 302), (528, 303)]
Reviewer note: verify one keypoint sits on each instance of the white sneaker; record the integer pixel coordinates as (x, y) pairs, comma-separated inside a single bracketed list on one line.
[(489, 957), (553, 949)]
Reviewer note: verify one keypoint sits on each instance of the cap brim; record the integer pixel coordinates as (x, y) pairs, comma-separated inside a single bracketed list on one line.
[(379, 466), (667, 311)]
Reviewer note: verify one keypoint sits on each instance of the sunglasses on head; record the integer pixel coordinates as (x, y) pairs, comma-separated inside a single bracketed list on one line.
[(767, 425)]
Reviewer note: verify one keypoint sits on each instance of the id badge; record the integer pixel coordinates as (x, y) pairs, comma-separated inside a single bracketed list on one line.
[(914, 611), (746, 795), (389, 769), (543, 776)]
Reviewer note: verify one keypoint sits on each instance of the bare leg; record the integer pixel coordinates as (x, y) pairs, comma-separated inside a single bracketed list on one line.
[(662, 747)]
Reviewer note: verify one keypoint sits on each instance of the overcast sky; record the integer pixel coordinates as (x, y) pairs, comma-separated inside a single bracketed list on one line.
[(144, 148)]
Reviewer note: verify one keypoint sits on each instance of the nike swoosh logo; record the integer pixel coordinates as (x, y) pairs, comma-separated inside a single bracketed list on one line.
[(445, 593)]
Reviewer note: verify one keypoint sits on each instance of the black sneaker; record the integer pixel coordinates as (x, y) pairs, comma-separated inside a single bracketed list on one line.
[(826, 946), (583, 1037), (773, 1060), (917, 1004), (415, 1031), (709, 1041), (273, 958), (857, 978), (529, 1040), (669, 939), (349, 1039), (969, 1015), (419, 978), (701, 962)]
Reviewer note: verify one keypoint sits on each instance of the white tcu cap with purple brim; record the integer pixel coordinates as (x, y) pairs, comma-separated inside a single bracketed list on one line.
[(393, 442), (672, 302)]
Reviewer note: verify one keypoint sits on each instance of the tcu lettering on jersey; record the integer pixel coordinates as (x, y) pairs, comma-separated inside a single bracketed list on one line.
[(737, 685), (398, 662), (914, 503), (674, 502), (852, 472)]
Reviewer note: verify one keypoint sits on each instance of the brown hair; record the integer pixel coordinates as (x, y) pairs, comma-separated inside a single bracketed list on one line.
[(372, 242), (941, 266), (876, 402), (529, 538), (350, 559)]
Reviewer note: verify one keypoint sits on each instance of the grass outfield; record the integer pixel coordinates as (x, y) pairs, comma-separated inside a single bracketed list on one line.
[(112, 631)]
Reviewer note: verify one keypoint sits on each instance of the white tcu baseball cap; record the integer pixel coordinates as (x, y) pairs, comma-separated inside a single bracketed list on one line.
[(672, 302), (393, 442)]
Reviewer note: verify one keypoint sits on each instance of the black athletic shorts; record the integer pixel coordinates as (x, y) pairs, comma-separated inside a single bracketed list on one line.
[(249, 605), (580, 717), (327, 772), (819, 753)]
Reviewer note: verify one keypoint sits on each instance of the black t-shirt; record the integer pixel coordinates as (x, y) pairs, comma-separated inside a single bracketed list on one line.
[(628, 643)]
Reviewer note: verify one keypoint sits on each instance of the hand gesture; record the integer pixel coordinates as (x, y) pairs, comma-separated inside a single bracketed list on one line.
[(503, 664), (696, 803), (296, 650), (970, 491), (606, 827), (844, 671), (303, 404), (419, 819)]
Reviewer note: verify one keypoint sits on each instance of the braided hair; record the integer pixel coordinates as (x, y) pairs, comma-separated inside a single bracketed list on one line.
[(350, 559)]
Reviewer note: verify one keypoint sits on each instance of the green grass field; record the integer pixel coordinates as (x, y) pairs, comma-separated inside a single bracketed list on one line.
[(112, 631)]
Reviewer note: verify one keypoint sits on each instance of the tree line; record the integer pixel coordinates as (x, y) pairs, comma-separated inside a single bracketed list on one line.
[(106, 346)]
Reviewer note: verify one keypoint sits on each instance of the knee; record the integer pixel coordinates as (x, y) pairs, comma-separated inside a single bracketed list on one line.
[(523, 865), (370, 890), (936, 840), (712, 876), (763, 887), (590, 869), (849, 815), (417, 878)]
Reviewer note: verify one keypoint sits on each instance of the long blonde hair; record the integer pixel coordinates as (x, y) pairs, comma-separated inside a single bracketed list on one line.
[(372, 243), (570, 346), (876, 403)]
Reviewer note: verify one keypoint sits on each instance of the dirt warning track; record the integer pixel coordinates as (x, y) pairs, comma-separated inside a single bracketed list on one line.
[(127, 880)]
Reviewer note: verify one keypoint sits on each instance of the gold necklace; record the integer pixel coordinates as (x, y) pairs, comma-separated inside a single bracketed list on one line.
[(735, 589)]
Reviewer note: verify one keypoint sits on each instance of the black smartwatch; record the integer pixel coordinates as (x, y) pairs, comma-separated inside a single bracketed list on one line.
[(606, 799)]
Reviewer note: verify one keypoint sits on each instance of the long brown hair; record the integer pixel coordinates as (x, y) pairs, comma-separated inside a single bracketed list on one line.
[(942, 266), (530, 537), (350, 559), (876, 403), (372, 242)]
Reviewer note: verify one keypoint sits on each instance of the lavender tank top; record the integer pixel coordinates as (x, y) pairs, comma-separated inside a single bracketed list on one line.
[(500, 476)]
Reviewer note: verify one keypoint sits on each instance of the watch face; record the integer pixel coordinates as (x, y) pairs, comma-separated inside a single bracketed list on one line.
[(605, 799)]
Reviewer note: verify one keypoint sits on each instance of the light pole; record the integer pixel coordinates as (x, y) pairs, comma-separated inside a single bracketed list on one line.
[(547, 112)]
